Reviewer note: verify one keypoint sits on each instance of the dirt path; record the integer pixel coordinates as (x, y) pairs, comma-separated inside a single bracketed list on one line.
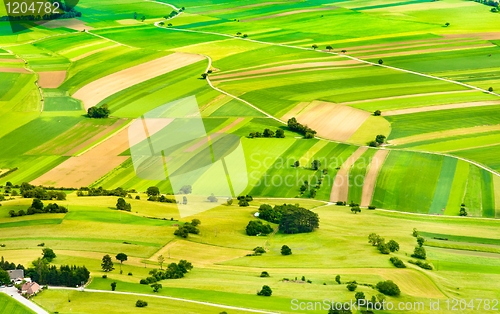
[(441, 107), (98, 90), (340, 188), (372, 175)]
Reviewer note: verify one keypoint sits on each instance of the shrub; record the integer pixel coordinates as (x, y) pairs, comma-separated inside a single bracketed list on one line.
[(371, 207), (141, 303), (259, 250), (286, 250), (337, 279), (137, 197), (129, 274), (339, 203), (265, 291), (352, 286), (264, 274), (377, 113), (397, 262), (388, 288), (421, 264)]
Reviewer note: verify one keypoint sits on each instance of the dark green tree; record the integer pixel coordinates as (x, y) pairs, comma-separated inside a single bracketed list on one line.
[(122, 205), (393, 246), (153, 191), (48, 254), (351, 286), (4, 277), (156, 287), (286, 250), (388, 288), (280, 133), (419, 252), (113, 286), (265, 291), (377, 113), (337, 279), (256, 227), (329, 48), (315, 164), (122, 257), (298, 220), (420, 241)]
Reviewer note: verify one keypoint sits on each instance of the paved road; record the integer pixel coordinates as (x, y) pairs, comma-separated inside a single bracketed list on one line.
[(12, 291), (169, 298)]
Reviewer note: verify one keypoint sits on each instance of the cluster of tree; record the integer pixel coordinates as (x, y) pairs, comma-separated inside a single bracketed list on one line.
[(30, 191), (388, 288), (354, 207), (4, 277), (268, 133), (256, 227), (122, 205), (299, 128), (65, 275), (173, 271), (187, 228), (265, 291), (173, 14), (384, 248), (37, 207), (397, 262), (162, 199), (419, 251), (463, 211), (243, 200), (352, 285), (98, 112), (379, 140), (62, 10), (312, 190), (86, 191), (6, 173), (421, 264), (291, 218), (5, 265), (258, 251), (493, 3)]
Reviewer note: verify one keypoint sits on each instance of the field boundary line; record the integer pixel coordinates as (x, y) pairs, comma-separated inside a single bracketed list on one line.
[(105, 138), (168, 298)]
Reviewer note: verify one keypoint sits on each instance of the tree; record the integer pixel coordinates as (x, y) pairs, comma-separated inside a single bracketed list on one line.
[(265, 291), (122, 205), (380, 61), (280, 133), (113, 286), (383, 248), (388, 288), (393, 246), (268, 133), (98, 112), (238, 33), (298, 220), (243, 203), (337, 279), (156, 287), (107, 263), (37, 204), (355, 209), (343, 51), (447, 24), (186, 189), (195, 222), (264, 274), (419, 252), (229, 201), (256, 227), (329, 48), (490, 89), (143, 18), (420, 241), (380, 139), (314, 46), (4, 277), (204, 75), (135, 15), (296, 164), (315, 164), (141, 303), (286, 250), (161, 259), (245, 35), (375, 239), (48, 254), (122, 257), (212, 198), (415, 232), (359, 296), (352, 286), (377, 113), (153, 191), (463, 211)]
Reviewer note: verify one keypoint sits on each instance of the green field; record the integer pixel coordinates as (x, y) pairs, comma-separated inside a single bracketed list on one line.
[(430, 67), (10, 305)]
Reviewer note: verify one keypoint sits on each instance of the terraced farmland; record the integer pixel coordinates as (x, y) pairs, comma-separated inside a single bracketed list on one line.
[(395, 107)]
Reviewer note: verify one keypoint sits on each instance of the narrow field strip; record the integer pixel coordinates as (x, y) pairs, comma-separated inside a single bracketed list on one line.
[(93, 93), (340, 187), (405, 96), (52, 79), (371, 176), (87, 54), (441, 107)]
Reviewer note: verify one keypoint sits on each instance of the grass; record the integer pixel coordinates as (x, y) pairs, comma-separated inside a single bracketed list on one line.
[(9, 305), (357, 176)]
